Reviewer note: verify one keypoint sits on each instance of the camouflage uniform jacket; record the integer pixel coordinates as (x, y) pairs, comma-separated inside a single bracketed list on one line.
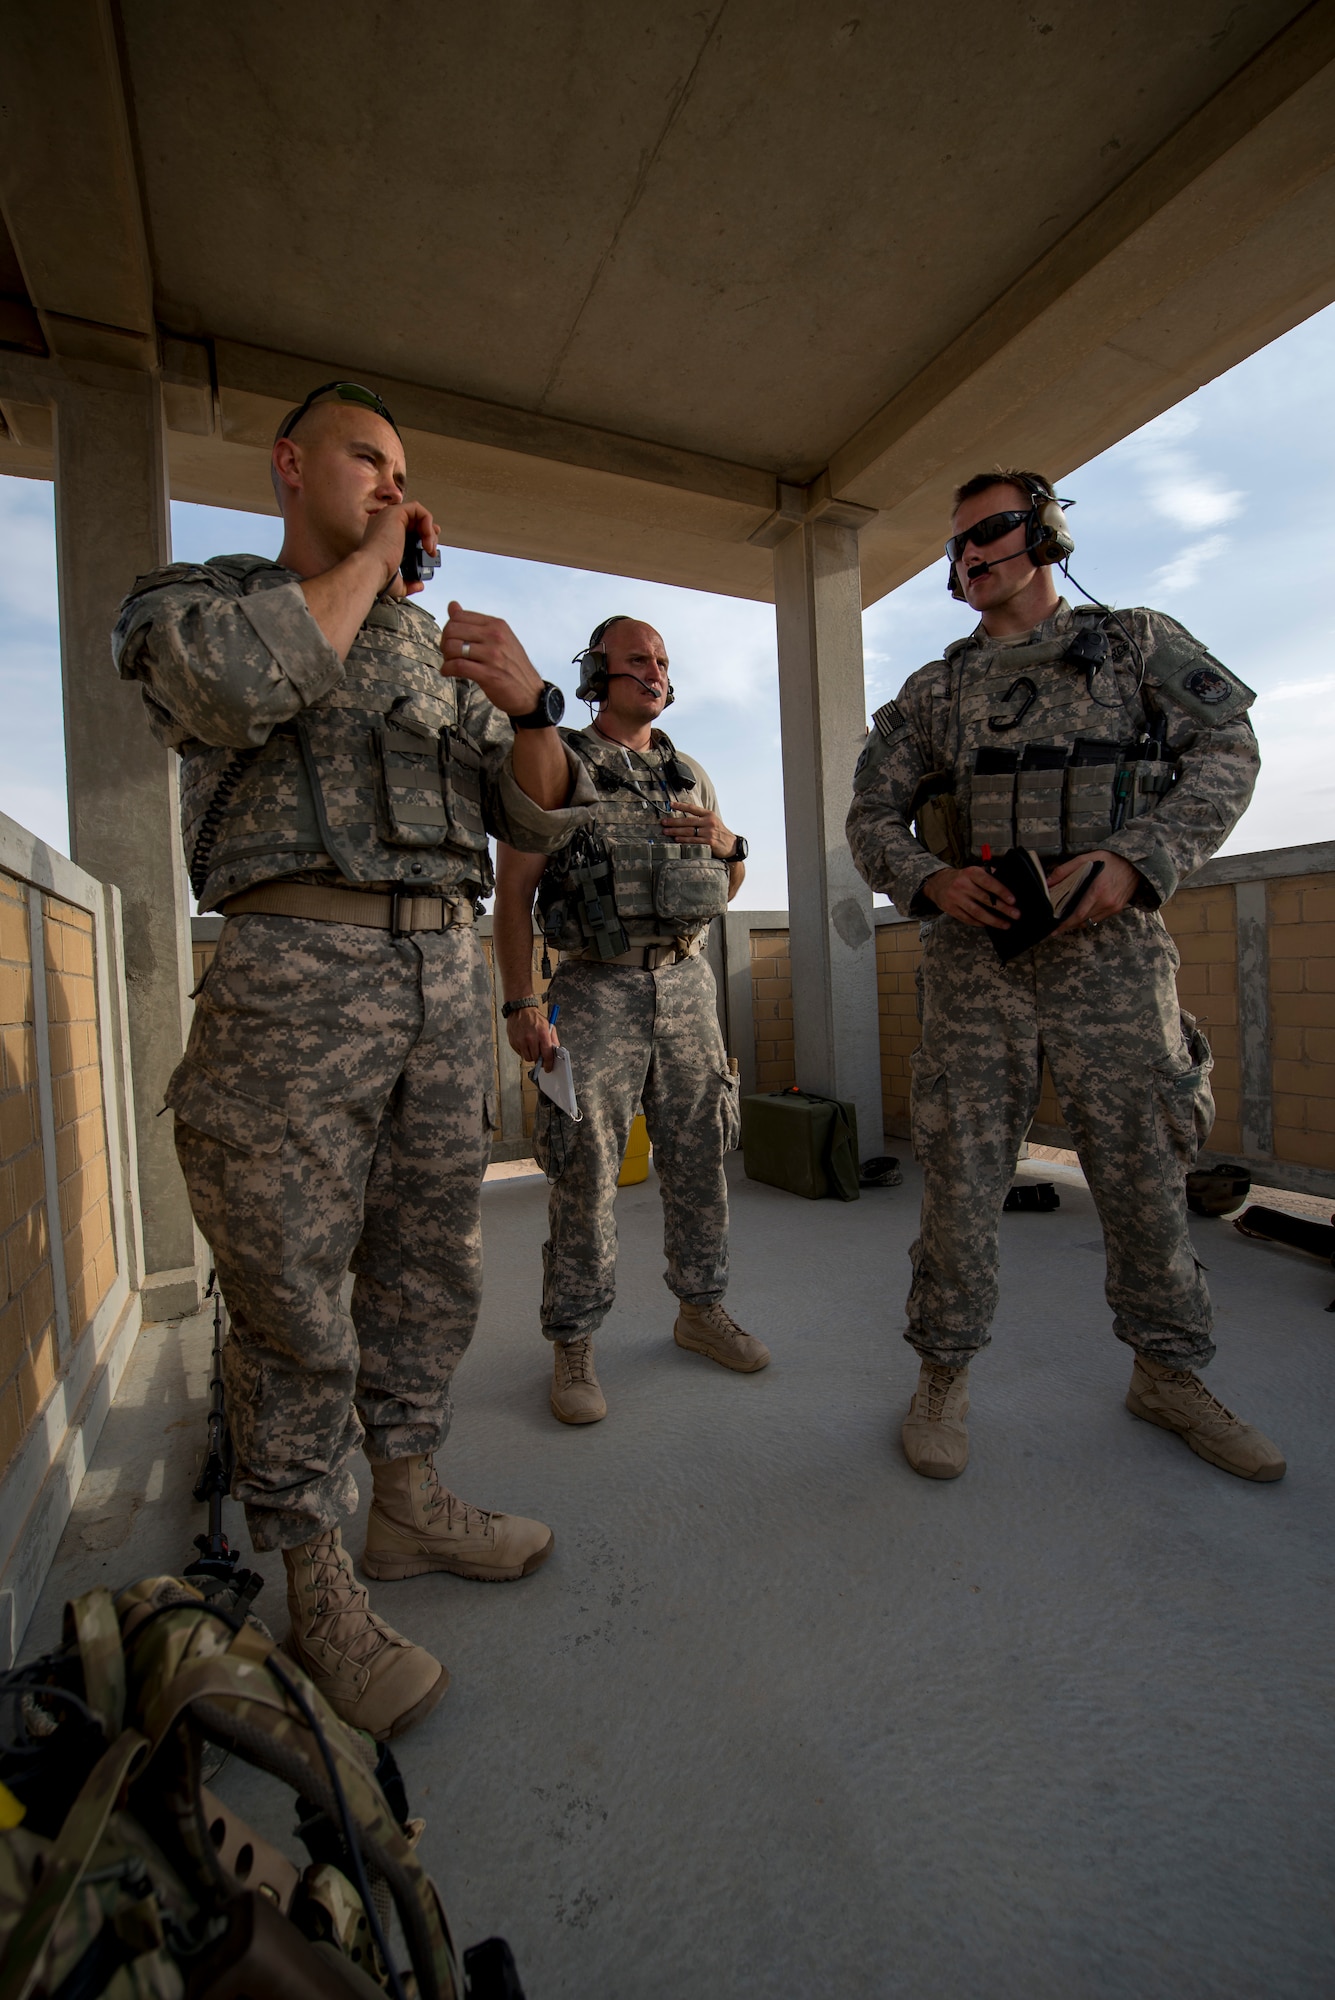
[(1158, 773), (298, 765)]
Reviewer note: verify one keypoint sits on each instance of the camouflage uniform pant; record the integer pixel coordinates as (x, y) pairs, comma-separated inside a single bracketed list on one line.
[(332, 1113), (1132, 1077), (635, 1037)]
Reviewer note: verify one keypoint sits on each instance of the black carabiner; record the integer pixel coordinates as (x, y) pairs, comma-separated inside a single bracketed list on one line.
[(1000, 722)]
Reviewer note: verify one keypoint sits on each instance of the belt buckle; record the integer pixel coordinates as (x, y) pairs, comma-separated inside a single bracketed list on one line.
[(400, 915)]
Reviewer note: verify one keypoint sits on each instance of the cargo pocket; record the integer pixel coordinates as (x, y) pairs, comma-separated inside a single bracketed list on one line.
[(730, 1110), (408, 754), (928, 1107), (1184, 1103), (230, 1146), (551, 1137)]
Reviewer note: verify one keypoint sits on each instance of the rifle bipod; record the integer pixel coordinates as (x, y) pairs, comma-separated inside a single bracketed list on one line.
[(214, 1571)]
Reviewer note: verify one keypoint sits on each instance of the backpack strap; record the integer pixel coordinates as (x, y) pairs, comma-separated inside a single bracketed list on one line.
[(74, 1846)]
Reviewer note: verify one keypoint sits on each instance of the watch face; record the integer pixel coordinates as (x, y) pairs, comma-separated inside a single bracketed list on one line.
[(741, 850), (555, 704)]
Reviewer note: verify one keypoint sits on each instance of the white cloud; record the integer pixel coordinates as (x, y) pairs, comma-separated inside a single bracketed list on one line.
[(1184, 571), (1300, 690)]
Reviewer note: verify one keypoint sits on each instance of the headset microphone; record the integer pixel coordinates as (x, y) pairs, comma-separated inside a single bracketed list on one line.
[(981, 569), (594, 675)]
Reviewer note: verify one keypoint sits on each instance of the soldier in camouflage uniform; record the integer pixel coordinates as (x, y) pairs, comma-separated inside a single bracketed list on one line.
[(341, 766), (1074, 734), (629, 907)]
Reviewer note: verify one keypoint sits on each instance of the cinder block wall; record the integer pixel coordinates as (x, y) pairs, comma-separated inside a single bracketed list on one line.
[(30, 1318), (28, 1314), (772, 1006), (1300, 924)]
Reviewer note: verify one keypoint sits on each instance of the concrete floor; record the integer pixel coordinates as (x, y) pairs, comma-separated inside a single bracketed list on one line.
[(779, 1717)]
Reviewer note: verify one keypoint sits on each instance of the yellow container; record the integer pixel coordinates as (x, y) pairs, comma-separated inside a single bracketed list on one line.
[(635, 1161)]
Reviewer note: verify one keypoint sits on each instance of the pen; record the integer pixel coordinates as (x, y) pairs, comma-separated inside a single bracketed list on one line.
[(551, 1018)]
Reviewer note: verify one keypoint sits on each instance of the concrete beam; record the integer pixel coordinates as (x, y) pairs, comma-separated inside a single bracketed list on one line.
[(78, 232), (822, 710), (112, 525)]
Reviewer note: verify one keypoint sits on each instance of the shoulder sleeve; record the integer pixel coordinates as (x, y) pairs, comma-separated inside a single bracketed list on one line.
[(1183, 675), (508, 811), (1200, 708), (225, 663), (896, 756)]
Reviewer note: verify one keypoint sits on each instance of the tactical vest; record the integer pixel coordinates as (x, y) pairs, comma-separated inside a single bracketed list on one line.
[(377, 780), (621, 875), (1093, 759)]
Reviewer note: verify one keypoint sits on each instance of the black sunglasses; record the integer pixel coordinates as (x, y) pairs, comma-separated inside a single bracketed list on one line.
[(990, 529), (347, 392)]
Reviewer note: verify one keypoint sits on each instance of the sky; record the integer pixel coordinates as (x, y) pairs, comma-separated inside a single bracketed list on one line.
[(1215, 513)]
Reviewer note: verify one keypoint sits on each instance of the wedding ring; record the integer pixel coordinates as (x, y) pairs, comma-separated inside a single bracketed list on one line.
[(465, 649)]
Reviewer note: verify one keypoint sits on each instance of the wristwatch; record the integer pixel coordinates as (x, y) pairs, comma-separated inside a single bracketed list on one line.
[(517, 1006), (551, 707), (739, 852)]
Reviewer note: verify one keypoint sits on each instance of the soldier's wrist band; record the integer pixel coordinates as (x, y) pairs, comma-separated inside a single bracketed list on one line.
[(517, 1006), (740, 850)]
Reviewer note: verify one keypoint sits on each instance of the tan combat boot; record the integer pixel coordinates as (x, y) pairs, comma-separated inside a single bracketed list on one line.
[(368, 1673), (936, 1444), (576, 1397), (711, 1330), (416, 1524), (1179, 1401)]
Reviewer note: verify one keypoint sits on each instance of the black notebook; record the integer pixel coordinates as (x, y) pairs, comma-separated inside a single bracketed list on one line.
[(1042, 908)]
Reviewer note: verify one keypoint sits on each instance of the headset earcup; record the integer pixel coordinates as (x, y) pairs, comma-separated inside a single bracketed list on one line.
[(1051, 540), (671, 696)]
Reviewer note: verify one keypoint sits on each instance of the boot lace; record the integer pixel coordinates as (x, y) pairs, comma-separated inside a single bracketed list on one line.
[(458, 1513), (1207, 1408), (575, 1360), (721, 1320), (937, 1386), (339, 1596)]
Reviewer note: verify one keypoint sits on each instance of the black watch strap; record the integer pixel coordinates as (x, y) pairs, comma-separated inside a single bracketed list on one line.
[(551, 707), (739, 852)]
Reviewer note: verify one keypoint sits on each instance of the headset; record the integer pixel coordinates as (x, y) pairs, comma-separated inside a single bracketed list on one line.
[(592, 664), (1048, 539)]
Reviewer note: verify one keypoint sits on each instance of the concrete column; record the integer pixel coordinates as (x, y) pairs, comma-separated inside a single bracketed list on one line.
[(112, 524), (822, 708)]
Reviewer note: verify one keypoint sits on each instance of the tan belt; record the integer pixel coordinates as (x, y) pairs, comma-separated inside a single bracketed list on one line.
[(399, 914), (647, 957)]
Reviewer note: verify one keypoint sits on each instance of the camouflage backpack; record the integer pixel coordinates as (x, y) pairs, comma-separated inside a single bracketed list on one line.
[(122, 1874)]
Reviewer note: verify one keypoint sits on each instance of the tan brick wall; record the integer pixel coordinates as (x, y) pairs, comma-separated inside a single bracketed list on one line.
[(1301, 925), (1203, 926), (772, 1007), (82, 1170), (897, 955), (28, 1346)]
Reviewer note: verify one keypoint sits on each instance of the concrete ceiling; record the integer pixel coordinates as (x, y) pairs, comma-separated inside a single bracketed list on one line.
[(646, 283)]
